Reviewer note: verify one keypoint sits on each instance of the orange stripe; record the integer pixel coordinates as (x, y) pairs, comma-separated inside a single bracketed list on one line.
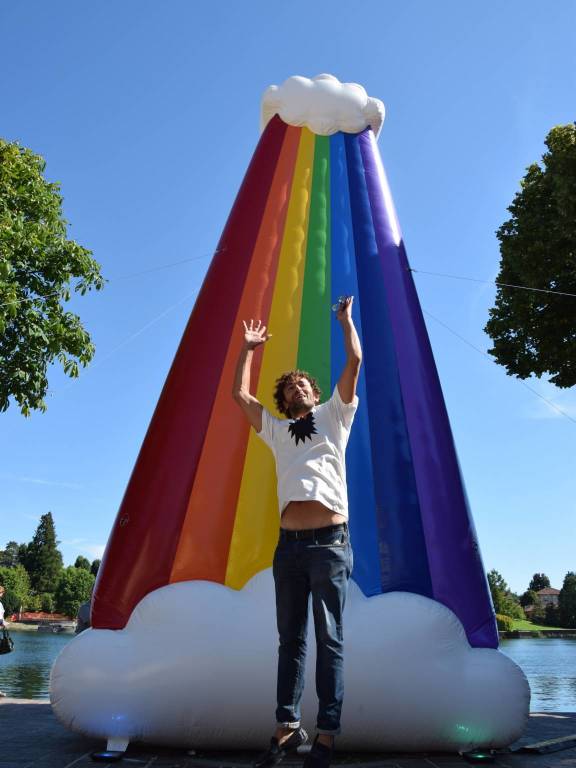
[(205, 535)]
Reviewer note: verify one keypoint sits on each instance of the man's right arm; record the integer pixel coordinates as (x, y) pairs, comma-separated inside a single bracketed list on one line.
[(254, 336)]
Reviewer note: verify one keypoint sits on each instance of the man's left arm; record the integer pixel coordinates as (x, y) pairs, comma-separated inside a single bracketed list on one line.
[(349, 377)]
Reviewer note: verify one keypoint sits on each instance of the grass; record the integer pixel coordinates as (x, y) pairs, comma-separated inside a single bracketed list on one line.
[(524, 624)]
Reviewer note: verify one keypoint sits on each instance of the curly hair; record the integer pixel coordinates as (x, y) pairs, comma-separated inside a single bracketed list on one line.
[(287, 378)]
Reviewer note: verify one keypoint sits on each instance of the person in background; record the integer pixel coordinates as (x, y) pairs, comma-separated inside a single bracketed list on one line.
[(2, 591), (2, 622), (83, 618)]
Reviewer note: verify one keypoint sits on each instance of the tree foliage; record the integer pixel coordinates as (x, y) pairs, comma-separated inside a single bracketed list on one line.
[(539, 581), (528, 598), (496, 582), (567, 600), (74, 588), (82, 562), (34, 602), (17, 583), (9, 557), (22, 552), (43, 558), (39, 267), (552, 616), (47, 602), (505, 602), (538, 614), (535, 332), (95, 567)]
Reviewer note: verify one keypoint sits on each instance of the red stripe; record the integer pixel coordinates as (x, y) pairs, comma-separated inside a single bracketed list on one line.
[(144, 538)]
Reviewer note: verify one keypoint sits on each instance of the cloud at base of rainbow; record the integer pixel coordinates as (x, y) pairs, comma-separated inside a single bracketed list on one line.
[(313, 220)]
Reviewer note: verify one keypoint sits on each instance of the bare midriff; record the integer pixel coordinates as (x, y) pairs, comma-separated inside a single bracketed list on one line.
[(304, 515)]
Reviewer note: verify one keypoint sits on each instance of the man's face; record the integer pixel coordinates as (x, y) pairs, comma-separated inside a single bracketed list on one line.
[(299, 397)]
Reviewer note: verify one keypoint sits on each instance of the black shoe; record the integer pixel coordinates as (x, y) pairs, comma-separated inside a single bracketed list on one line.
[(320, 756), (277, 752)]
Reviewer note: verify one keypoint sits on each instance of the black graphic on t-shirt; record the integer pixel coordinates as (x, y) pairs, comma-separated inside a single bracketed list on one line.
[(300, 429)]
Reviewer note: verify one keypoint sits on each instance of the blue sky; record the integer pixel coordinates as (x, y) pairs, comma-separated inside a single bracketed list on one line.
[(147, 114)]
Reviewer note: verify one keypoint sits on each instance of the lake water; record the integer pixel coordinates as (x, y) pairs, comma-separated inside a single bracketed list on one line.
[(549, 665), (25, 673)]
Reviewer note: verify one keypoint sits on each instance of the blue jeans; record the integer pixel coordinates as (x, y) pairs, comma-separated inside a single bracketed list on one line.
[(319, 563)]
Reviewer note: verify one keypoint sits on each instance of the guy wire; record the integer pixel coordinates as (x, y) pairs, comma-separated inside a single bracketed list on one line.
[(485, 354)]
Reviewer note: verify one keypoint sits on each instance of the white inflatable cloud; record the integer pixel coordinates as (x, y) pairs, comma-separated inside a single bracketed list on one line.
[(196, 666), (323, 104)]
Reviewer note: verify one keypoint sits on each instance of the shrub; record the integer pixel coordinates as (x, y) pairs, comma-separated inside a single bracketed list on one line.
[(74, 588), (505, 623), (47, 602), (17, 584), (33, 603)]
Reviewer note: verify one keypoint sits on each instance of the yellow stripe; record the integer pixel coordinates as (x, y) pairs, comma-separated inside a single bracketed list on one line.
[(256, 525)]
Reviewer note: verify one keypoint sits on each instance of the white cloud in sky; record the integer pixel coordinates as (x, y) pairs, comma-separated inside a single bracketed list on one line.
[(95, 550), (27, 516), (85, 547), (54, 483)]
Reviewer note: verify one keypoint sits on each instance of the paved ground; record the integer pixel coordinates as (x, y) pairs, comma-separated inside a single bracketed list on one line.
[(30, 737)]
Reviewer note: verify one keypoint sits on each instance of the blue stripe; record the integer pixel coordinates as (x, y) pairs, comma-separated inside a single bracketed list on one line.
[(401, 545), (362, 505)]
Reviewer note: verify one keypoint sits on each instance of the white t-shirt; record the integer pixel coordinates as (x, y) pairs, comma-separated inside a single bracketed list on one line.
[(310, 453)]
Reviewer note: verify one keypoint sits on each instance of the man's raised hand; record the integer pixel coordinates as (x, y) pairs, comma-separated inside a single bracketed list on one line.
[(255, 334), (344, 312)]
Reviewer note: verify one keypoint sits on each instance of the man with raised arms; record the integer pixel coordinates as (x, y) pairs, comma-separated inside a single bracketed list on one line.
[(313, 555)]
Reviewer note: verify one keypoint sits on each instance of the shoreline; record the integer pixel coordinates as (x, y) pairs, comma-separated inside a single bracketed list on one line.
[(527, 633), (513, 634), (16, 626)]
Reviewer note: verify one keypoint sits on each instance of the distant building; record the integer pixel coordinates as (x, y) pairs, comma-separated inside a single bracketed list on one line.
[(548, 596)]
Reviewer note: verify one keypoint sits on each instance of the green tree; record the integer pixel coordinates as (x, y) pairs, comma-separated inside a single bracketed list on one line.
[(505, 603), (43, 558), (511, 606), (47, 602), (34, 603), (552, 616), (567, 600), (535, 332), (17, 584), (538, 613), (39, 268), (9, 556), (498, 588), (95, 567), (74, 588), (539, 581), (22, 553), (82, 562), (528, 598)]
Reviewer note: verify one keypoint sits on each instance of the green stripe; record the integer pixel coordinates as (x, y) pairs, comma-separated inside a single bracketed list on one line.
[(315, 318)]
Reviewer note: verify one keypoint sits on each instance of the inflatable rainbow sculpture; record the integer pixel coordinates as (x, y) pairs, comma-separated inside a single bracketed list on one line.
[(313, 220)]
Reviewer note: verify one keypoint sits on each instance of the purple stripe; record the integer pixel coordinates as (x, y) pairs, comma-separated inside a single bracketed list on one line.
[(457, 573)]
